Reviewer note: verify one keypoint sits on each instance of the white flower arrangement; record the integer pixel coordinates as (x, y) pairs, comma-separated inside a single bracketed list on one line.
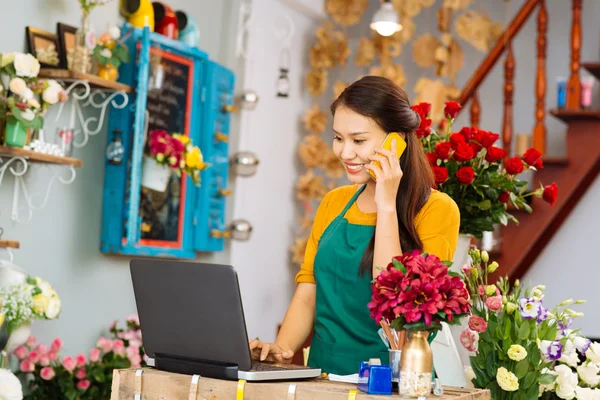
[(20, 303), (10, 386)]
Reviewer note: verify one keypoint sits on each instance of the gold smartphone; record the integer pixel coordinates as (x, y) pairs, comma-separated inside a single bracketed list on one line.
[(387, 144)]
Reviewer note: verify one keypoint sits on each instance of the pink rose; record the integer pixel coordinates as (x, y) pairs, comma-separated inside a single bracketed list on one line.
[(466, 269), (132, 351), (83, 384), (94, 355), (494, 303), (27, 366), (104, 344), (477, 323), (41, 349), (119, 347), (34, 356), (47, 373), (20, 352), (469, 339), (81, 360), (136, 361), (69, 363), (80, 374), (44, 361), (56, 345), (113, 325), (30, 341), (135, 343), (134, 319), (52, 355)]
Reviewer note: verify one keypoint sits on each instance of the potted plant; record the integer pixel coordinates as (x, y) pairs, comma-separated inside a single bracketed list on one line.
[(416, 293), (23, 98), (109, 53), (475, 174), (170, 154)]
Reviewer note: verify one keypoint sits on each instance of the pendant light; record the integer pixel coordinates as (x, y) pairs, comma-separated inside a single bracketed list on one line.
[(385, 20)]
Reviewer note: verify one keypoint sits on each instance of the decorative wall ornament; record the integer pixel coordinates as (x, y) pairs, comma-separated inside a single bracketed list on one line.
[(316, 81), (478, 29), (424, 50), (394, 72), (310, 186), (365, 54), (315, 119), (345, 12), (312, 151)]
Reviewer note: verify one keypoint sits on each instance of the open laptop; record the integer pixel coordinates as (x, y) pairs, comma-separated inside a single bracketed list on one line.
[(192, 322)]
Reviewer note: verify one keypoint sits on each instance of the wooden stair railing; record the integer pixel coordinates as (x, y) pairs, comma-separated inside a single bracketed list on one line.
[(523, 243)]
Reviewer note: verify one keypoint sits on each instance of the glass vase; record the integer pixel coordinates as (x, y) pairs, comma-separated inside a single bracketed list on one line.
[(82, 52), (416, 366)]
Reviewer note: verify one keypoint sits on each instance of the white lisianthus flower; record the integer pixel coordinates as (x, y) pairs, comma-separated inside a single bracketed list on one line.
[(51, 93), (27, 94), (566, 382), (6, 58), (587, 393), (28, 115), (17, 86), (507, 380), (26, 65), (593, 353), (10, 386), (106, 53), (53, 307), (34, 103), (589, 374), (517, 352), (114, 32)]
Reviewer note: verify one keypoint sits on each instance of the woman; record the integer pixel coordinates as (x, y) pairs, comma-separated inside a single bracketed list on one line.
[(360, 228)]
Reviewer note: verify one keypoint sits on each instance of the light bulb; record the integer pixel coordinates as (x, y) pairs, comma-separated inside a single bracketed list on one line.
[(385, 20)]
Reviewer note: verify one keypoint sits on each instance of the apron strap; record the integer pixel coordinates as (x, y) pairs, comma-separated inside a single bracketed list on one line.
[(353, 200)]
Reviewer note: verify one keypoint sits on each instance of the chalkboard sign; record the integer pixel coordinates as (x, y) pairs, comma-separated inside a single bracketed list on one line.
[(168, 108)]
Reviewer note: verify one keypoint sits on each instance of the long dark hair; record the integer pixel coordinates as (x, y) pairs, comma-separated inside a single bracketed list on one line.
[(387, 104)]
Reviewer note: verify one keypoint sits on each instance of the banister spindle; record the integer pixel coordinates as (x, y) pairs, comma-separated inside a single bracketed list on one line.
[(475, 111), (539, 130), (507, 123), (574, 84)]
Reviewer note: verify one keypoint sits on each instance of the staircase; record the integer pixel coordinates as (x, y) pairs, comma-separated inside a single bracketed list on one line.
[(521, 244)]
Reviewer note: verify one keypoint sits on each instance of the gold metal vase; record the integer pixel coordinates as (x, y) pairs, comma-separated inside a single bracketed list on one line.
[(416, 366)]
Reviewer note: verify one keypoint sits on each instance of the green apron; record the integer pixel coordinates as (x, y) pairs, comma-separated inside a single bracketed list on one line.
[(344, 334)]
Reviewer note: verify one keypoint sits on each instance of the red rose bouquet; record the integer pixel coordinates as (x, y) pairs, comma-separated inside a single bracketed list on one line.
[(474, 172), (417, 292)]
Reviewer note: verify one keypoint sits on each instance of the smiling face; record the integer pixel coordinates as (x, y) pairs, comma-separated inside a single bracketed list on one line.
[(355, 138)]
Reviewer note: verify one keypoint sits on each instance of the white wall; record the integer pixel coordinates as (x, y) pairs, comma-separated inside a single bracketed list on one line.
[(267, 199), (62, 241)]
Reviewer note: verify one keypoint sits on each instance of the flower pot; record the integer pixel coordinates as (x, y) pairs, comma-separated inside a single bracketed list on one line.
[(416, 365), (18, 337), (155, 176), (461, 254), (82, 52), (15, 134), (108, 72)]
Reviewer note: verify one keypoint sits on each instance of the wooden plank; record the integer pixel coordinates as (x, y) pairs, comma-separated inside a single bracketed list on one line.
[(576, 115), (165, 385), (95, 81), (33, 156), (9, 244), (593, 68)]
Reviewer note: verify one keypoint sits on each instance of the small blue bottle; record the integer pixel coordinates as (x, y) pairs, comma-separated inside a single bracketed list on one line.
[(561, 93)]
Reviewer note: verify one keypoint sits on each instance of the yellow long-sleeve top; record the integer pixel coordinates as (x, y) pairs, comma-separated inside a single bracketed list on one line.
[(437, 224)]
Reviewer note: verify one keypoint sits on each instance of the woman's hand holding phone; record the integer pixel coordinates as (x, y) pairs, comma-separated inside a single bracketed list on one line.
[(387, 177)]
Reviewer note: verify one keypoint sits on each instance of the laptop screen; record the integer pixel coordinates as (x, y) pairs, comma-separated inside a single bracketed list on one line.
[(190, 310)]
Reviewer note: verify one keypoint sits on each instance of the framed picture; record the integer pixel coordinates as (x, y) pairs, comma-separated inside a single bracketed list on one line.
[(66, 40), (43, 46)]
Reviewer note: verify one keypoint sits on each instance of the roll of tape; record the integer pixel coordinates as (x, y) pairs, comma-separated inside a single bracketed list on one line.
[(194, 387), (138, 384), (240, 390), (352, 394), (291, 392)]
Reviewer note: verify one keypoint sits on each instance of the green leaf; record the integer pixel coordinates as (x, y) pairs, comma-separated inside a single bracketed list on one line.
[(490, 366), (524, 331), (503, 219), (399, 266), (522, 368), (528, 380), (36, 290), (70, 394), (547, 379)]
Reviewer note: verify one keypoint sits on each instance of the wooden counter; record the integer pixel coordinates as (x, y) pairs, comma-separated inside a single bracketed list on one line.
[(160, 385)]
